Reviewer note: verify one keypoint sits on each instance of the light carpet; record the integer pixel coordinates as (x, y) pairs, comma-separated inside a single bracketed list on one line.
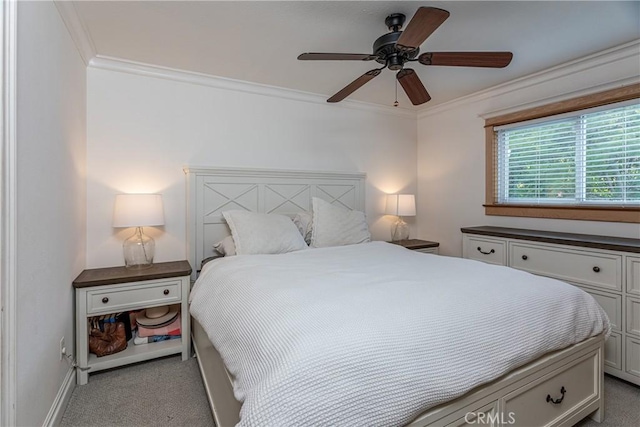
[(621, 405), (162, 392), (169, 392)]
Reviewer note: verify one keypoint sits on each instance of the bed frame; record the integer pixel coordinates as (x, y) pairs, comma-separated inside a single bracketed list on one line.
[(557, 389)]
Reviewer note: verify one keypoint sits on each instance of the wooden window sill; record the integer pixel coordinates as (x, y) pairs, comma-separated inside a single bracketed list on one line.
[(587, 213)]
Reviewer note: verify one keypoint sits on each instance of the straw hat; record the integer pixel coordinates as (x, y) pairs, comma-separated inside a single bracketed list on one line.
[(157, 316)]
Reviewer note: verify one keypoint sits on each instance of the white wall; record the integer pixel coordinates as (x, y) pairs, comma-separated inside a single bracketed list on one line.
[(51, 202), (451, 152), (143, 130)]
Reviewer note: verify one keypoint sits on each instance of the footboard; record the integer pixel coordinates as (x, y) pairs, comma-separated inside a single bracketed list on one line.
[(558, 389)]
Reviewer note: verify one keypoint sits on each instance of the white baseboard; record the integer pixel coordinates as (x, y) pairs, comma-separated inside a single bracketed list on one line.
[(54, 417)]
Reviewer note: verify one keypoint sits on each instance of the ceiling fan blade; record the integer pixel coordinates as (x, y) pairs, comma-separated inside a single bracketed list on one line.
[(412, 85), (467, 59), (354, 85), (336, 57), (425, 21)]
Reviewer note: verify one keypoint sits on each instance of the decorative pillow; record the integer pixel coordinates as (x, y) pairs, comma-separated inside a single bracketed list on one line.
[(334, 226), (226, 246), (303, 221), (256, 233)]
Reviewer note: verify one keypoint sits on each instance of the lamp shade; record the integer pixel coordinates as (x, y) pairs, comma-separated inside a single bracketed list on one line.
[(138, 210), (401, 205)]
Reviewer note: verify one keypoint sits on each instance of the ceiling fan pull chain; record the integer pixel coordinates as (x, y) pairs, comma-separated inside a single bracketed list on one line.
[(395, 104)]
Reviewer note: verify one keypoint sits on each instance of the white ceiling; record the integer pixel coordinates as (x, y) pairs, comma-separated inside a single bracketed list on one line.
[(259, 41)]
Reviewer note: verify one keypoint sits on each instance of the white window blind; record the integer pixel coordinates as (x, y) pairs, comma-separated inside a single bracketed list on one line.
[(589, 157)]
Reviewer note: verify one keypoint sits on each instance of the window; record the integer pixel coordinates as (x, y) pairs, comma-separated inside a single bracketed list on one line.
[(592, 157), (574, 159)]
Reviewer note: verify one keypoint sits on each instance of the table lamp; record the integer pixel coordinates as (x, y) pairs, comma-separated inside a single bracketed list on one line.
[(400, 205), (138, 210)]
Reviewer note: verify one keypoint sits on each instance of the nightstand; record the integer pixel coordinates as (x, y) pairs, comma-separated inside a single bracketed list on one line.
[(112, 290), (418, 245)]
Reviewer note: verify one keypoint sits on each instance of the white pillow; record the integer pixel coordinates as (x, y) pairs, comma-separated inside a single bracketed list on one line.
[(303, 220), (226, 246), (256, 233), (334, 226)]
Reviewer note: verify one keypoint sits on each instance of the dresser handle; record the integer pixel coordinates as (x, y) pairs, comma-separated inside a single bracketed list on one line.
[(105, 300), (557, 401), (166, 291), (596, 269), (486, 253), (524, 257)]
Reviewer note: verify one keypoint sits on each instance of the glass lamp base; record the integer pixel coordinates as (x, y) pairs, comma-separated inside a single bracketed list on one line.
[(399, 230), (138, 250)]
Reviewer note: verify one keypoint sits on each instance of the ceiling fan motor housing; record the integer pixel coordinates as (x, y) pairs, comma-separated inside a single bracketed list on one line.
[(385, 46), (395, 21)]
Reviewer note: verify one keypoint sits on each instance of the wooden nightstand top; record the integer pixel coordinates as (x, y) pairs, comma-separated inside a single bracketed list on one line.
[(416, 244), (114, 275)]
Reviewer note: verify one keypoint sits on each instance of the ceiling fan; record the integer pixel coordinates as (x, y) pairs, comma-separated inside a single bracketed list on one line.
[(397, 47)]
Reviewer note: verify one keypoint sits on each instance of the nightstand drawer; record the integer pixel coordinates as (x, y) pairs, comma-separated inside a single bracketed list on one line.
[(428, 251), (120, 298)]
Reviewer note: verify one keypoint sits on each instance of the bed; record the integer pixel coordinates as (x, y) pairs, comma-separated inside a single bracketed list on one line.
[(555, 384)]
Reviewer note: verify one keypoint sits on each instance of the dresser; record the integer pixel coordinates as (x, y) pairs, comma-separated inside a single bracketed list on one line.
[(608, 268)]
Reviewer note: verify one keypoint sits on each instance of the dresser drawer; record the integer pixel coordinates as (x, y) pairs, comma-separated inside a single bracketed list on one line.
[(492, 251), (633, 316), (580, 382), (589, 268), (611, 304), (613, 351), (633, 356), (133, 296), (633, 275)]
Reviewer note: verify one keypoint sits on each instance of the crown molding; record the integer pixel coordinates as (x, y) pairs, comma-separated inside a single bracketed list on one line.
[(608, 56), (147, 70), (77, 29), (82, 39)]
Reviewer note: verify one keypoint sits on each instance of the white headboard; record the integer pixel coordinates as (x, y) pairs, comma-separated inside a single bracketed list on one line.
[(210, 191)]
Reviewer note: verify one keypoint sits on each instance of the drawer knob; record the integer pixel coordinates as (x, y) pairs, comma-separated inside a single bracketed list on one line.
[(524, 257), (105, 300), (166, 291), (596, 269), (492, 251), (557, 401)]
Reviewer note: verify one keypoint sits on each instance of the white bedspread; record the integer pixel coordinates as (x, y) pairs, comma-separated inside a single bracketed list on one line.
[(375, 334)]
